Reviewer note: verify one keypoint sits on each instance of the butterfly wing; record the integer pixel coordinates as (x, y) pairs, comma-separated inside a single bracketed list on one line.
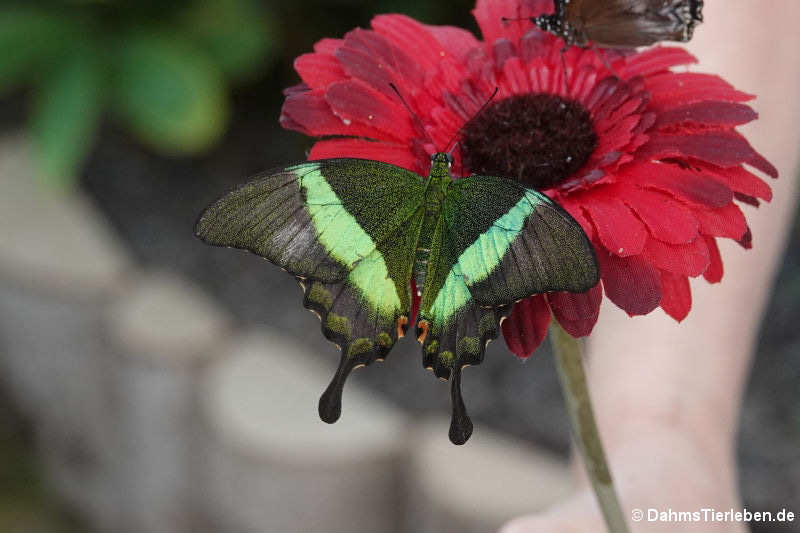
[(347, 229), (496, 242), (630, 23)]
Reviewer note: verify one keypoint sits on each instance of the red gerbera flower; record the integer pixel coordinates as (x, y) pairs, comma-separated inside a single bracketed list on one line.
[(646, 159)]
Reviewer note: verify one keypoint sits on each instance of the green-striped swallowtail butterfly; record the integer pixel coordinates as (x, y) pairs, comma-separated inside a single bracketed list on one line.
[(355, 233)]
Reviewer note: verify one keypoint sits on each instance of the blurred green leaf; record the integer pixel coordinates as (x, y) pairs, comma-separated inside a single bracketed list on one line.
[(238, 34), (169, 92), (28, 37), (66, 110)]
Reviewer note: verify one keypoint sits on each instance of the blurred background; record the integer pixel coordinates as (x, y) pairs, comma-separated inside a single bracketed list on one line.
[(151, 383)]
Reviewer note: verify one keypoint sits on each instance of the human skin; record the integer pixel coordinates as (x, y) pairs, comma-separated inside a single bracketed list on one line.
[(667, 396)]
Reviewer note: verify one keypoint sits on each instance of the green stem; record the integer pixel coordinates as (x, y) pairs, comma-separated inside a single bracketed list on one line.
[(576, 394)]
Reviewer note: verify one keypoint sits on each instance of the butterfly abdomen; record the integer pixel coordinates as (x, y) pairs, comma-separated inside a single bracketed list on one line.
[(433, 209)]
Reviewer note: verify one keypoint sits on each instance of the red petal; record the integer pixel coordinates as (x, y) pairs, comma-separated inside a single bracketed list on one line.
[(502, 50), (690, 259), (490, 13), (577, 313), (654, 60), (707, 114), (328, 46), (741, 180), (746, 241), (368, 57), (676, 296), (355, 101), (750, 200), (309, 113), (617, 228), (396, 154), (680, 88), (722, 148), (667, 220), (575, 306), (456, 41), (582, 327), (412, 37), (516, 76), (725, 221), (681, 183), (534, 44), (630, 282), (319, 70), (713, 273), (526, 328)]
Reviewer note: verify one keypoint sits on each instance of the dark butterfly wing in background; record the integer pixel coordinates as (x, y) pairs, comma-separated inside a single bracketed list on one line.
[(630, 23), (622, 23)]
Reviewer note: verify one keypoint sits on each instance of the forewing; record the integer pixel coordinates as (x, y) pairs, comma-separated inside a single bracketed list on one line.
[(347, 229), (315, 219), (532, 246)]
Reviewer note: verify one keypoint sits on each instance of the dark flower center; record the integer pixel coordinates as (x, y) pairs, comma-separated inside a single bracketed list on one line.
[(538, 139)]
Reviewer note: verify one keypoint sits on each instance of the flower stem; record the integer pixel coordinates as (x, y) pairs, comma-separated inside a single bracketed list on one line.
[(576, 394)]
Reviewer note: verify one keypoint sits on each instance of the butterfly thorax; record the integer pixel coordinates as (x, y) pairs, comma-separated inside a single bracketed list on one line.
[(435, 189)]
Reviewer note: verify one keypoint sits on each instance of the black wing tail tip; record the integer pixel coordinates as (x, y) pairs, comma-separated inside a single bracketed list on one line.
[(460, 423), (330, 403), (460, 430), (330, 407)]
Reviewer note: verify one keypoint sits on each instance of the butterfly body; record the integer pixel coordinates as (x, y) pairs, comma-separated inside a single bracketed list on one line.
[(355, 232), (435, 192), (622, 23)]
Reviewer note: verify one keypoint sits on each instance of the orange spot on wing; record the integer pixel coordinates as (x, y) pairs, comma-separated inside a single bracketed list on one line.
[(423, 325), (402, 324)]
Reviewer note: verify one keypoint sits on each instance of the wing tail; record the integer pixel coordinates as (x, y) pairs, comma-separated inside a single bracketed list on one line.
[(449, 346), (363, 333)]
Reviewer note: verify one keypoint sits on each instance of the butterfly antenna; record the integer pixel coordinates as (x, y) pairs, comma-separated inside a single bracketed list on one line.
[(416, 118), (603, 58), (518, 18), (564, 70), (478, 112)]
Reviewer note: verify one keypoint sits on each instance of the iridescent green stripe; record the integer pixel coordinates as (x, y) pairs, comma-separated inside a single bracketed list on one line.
[(482, 257), (346, 241)]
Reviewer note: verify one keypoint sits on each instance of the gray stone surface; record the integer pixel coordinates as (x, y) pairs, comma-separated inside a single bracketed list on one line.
[(164, 329), (477, 487), (59, 265), (274, 466), (167, 319), (56, 367), (52, 239)]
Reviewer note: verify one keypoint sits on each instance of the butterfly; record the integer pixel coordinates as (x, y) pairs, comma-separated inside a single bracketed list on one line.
[(355, 232), (622, 23)]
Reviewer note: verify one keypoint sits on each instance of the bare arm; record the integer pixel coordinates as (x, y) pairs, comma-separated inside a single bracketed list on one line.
[(667, 395)]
